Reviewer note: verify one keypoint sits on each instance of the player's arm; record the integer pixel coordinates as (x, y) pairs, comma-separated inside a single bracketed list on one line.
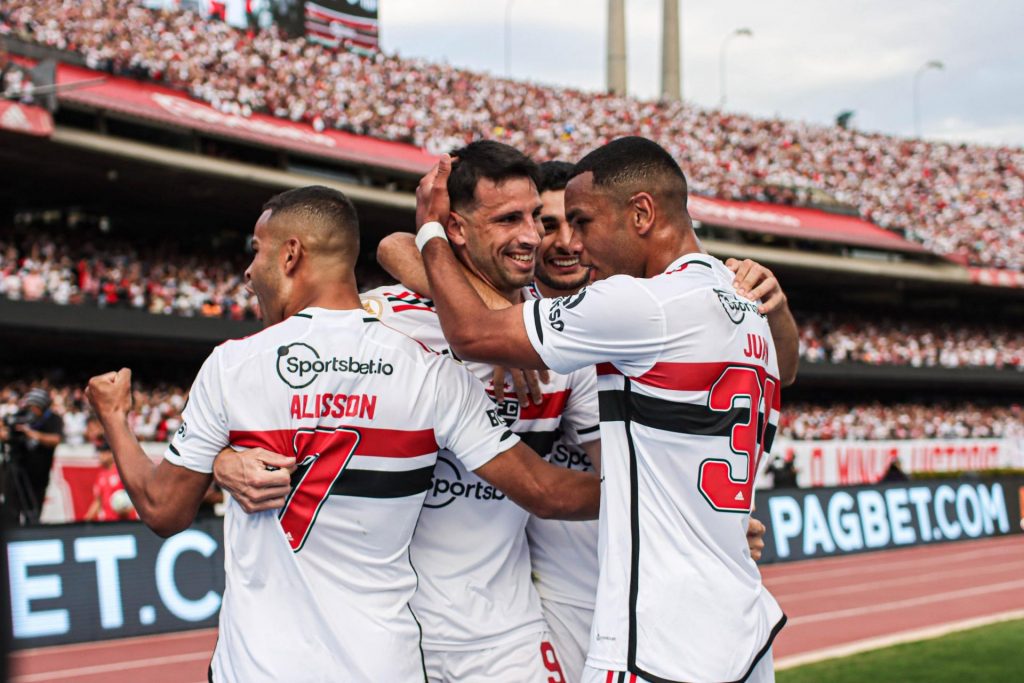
[(754, 281), (593, 451), (541, 488), (166, 496), (474, 331), (397, 254)]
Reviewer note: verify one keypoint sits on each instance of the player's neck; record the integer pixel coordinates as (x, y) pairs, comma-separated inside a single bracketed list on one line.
[(668, 247), (341, 296)]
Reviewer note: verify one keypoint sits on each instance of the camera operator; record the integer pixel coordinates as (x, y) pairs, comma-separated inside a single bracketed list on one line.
[(31, 436)]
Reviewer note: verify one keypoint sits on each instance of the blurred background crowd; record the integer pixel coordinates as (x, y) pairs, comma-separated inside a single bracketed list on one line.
[(959, 200)]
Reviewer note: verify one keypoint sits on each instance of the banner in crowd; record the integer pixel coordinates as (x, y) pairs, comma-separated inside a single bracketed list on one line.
[(343, 22), (25, 118), (995, 277), (845, 463), (76, 583), (837, 521)]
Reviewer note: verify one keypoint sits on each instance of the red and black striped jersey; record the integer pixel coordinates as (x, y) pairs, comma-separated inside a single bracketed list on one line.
[(689, 400), (323, 586), (470, 547)]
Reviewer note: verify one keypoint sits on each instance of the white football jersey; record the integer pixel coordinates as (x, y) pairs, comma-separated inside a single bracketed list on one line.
[(564, 553), (469, 549), (689, 395), (321, 589)]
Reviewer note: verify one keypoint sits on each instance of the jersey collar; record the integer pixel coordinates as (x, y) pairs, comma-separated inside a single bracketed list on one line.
[(685, 260)]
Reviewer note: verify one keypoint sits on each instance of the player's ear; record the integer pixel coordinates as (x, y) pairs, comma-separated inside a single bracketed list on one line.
[(641, 212), (291, 254), (456, 229)]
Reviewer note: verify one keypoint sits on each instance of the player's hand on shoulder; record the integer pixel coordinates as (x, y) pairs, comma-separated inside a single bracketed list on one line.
[(110, 394), (257, 478), (755, 282), (526, 384), (755, 538)]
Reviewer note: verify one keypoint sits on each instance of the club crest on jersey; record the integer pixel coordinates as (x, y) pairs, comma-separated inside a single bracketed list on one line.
[(734, 307), (373, 306)]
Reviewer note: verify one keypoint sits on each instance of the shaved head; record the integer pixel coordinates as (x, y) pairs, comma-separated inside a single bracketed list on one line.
[(323, 219), (629, 165)]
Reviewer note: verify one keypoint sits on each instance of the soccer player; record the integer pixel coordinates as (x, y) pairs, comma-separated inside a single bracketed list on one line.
[(564, 554), (320, 591), (689, 386), (480, 612)]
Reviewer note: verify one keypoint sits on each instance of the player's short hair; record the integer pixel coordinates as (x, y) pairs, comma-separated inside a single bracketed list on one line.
[(486, 159), (554, 175), (321, 206), (634, 164)]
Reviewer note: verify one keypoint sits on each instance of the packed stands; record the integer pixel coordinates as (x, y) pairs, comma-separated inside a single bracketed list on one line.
[(39, 265), (155, 411), (877, 421), (882, 340), (963, 201)]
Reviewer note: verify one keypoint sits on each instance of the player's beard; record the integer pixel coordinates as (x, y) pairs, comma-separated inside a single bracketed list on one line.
[(563, 284)]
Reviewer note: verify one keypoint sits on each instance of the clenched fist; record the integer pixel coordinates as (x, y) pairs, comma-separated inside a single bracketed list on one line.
[(110, 394)]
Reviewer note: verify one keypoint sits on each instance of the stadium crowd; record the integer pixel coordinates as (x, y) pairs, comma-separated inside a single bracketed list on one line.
[(41, 266), (876, 421), (37, 265), (155, 414), (850, 338), (157, 407), (965, 201)]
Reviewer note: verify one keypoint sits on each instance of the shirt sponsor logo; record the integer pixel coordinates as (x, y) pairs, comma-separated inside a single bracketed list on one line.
[(570, 457), (734, 307), (446, 486), (564, 303), (299, 364)]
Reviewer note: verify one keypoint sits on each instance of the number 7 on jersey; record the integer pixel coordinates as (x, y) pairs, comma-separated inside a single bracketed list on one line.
[(323, 454)]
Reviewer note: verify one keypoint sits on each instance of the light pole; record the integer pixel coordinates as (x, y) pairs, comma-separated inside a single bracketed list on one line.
[(932, 64), (508, 37), (721, 61)]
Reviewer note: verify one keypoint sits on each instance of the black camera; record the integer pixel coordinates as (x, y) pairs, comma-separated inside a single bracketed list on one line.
[(22, 417)]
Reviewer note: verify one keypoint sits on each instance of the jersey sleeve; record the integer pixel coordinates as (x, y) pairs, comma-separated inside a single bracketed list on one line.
[(465, 419), (615, 320), (204, 422), (581, 420)]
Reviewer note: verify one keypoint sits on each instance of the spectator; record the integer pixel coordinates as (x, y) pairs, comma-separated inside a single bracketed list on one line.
[(32, 440), (963, 201), (110, 499)]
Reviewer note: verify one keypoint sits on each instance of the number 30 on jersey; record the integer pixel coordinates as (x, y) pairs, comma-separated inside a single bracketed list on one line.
[(736, 386)]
